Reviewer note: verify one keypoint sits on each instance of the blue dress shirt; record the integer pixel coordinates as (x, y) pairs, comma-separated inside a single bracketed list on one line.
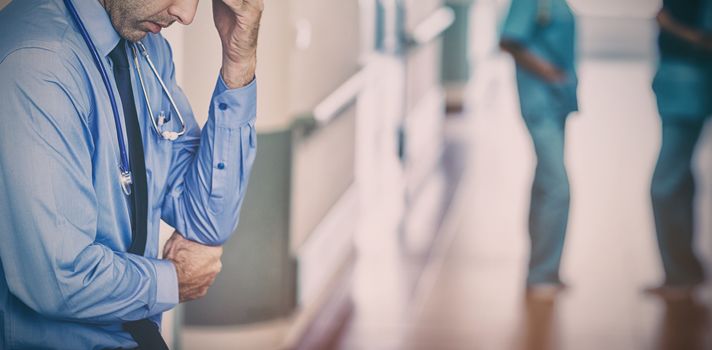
[(546, 28), (66, 281)]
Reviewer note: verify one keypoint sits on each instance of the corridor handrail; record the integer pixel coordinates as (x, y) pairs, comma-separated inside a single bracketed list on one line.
[(432, 27), (330, 107)]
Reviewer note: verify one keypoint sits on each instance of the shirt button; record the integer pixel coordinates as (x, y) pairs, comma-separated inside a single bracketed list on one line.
[(222, 106), (221, 165)]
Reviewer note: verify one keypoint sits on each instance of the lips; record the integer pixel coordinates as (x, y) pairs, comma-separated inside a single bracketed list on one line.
[(153, 27)]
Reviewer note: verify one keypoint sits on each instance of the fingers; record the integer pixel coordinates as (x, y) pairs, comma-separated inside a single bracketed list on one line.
[(200, 285), (197, 265), (258, 4), (172, 242), (239, 7)]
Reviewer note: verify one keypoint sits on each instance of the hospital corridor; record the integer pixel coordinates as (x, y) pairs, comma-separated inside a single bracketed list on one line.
[(470, 292), (407, 179)]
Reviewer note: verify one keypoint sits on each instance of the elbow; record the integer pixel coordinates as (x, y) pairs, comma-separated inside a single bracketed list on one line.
[(53, 312), (663, 18), (224, 224), (215, 232), (53, 306), (223, 233), (50, 307), (508, 46)]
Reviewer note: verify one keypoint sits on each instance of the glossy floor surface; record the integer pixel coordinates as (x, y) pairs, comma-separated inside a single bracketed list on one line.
[(466, 292)]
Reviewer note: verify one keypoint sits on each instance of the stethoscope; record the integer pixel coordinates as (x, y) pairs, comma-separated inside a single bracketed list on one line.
[(158, 123)]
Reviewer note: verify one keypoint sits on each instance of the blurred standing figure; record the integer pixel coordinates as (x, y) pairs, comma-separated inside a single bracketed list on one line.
[(541, 36), (683, 87)]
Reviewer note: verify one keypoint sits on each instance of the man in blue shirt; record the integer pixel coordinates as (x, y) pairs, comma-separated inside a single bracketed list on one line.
[(683, 88), (540, 36), (67, 278)]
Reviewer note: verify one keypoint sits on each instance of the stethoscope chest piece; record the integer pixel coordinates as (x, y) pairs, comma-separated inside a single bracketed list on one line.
[(126, 182), (157, 121)]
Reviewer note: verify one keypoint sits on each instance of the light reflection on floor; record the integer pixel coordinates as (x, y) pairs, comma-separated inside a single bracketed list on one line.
[(473, 297)]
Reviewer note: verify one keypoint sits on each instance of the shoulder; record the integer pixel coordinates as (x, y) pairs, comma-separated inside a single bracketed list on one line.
[(38, 85), (32, 24), (525, 5), (522, 11), (520, 21), (25, 64), (39, 52)]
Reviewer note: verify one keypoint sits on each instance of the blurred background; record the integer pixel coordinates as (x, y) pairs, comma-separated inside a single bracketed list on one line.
[(389, 201)]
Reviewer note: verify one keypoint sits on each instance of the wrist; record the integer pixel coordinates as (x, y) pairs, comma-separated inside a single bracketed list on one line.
[(693, 37), (237, 74)]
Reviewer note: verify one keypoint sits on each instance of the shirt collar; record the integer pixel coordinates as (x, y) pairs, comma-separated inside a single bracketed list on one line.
[(98, 24)]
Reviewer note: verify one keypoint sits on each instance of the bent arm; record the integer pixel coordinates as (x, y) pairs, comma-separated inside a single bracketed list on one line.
[(51, 258), (519, 29), (210, 168), (668, 23), (525, 59)]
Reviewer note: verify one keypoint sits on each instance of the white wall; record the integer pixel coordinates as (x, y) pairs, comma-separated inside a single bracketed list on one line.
[(616, 8)]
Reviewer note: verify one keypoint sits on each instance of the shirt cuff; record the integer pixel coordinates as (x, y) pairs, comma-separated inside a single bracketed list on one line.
[(234, 108), (166, 286)]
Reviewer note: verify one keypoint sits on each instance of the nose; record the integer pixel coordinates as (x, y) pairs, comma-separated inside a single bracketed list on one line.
[(184, 10)]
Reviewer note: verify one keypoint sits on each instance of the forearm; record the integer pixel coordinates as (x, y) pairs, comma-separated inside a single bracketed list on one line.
[(49, 216), (669, 24), (96, 286), (205, 201), (238, 24), (210, 180), (530, 62)]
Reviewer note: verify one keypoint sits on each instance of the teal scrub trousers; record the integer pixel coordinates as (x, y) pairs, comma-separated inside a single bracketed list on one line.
[(683, 89), (672, 192), (550, 198)]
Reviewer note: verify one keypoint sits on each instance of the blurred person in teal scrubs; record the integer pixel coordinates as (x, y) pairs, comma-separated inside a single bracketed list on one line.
[(541, 37), (683, 87)]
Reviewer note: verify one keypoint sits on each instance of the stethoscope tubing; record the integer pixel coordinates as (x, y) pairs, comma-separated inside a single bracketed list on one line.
[(169, 135), (124, 166)]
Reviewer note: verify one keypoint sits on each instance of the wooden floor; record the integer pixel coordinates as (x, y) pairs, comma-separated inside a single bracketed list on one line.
[(466, 292)]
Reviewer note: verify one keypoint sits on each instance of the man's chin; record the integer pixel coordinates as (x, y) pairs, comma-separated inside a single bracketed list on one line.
[(133, 35)]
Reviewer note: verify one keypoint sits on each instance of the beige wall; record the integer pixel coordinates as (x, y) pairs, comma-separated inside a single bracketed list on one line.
[(199, 50), (292, 78), (3, 3), (200, 54)]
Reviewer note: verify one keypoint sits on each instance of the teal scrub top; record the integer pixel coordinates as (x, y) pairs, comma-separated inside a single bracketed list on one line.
[(683, 85), (547, 28)]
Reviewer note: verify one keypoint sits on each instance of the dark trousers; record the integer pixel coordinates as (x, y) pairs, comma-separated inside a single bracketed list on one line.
[(672, 192)]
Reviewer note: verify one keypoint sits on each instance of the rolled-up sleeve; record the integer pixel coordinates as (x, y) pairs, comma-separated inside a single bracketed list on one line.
[(210, 168), (48, 207)]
